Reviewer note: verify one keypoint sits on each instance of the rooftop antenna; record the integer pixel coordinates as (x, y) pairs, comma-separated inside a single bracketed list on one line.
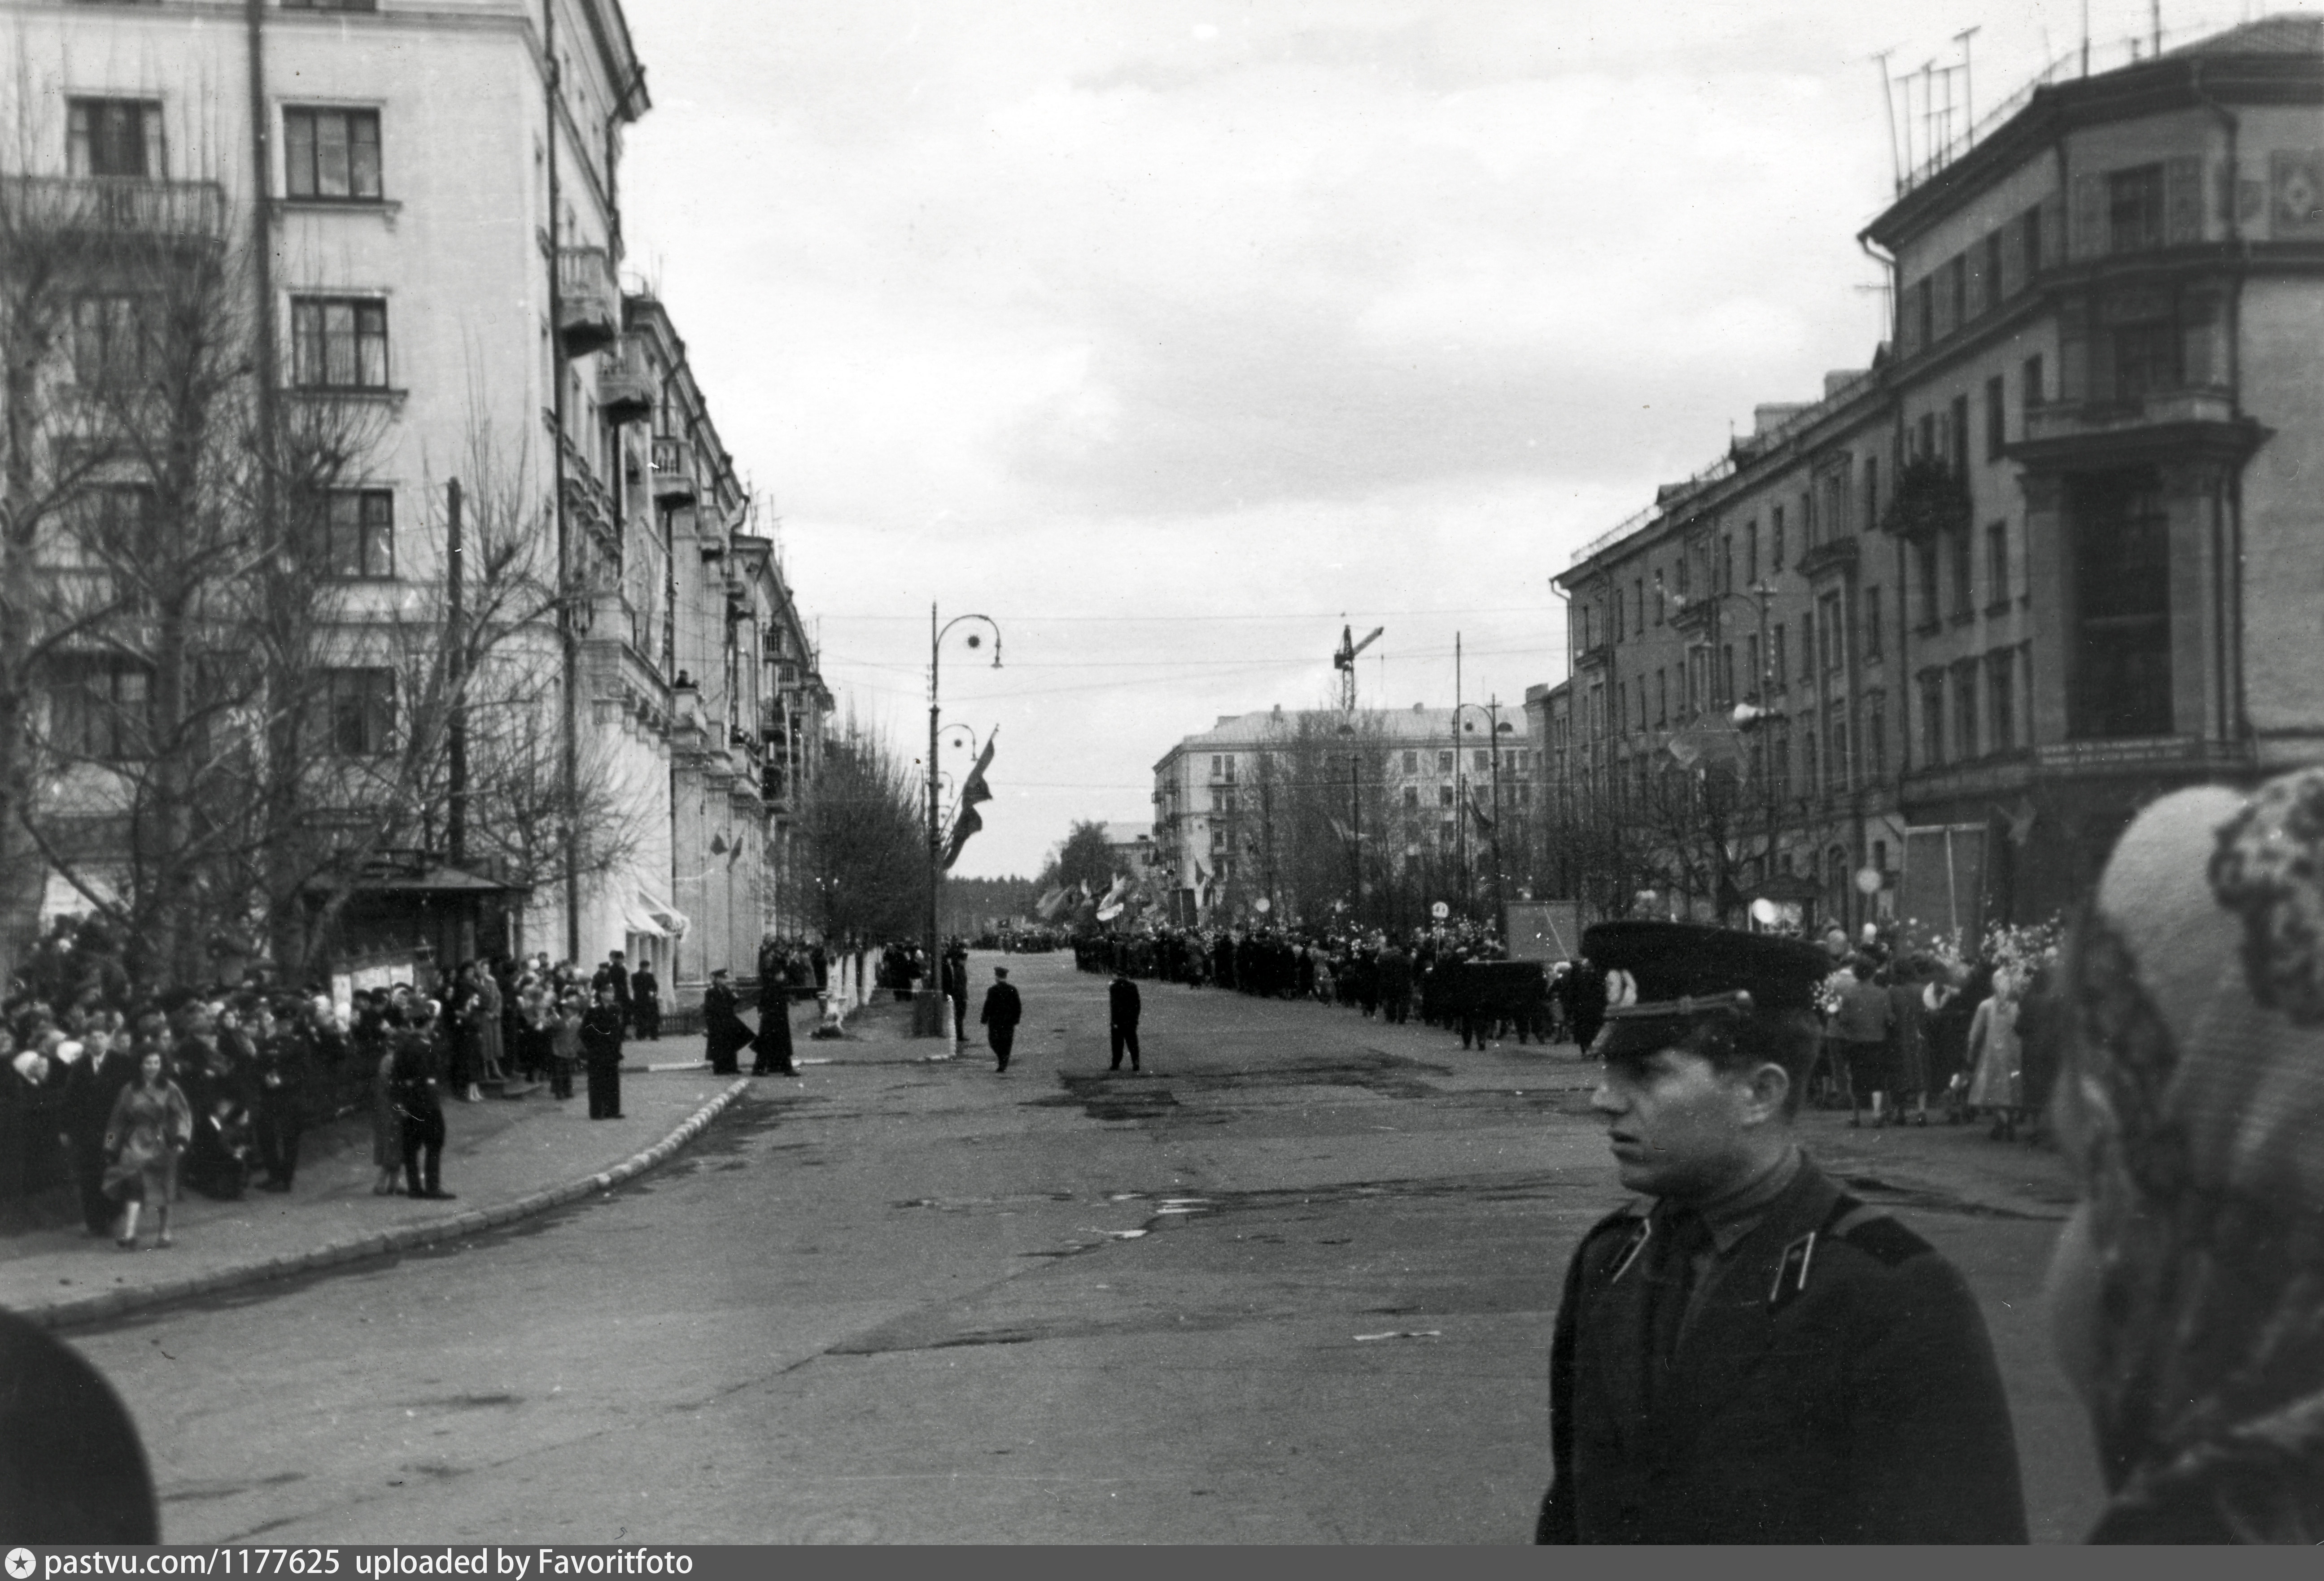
[(1888, 111), (1344, 661), (1968, 98), (1928, 113)]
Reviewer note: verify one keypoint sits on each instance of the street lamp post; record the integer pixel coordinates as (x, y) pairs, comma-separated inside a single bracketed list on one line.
[(1355, 826), (1495, 728), (927, 1003)]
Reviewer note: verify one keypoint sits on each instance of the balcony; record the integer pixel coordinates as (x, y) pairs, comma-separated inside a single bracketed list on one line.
[(116, 205), (625, 385), (673, 471), (2200, 421), (588, 300), (1834, 554)]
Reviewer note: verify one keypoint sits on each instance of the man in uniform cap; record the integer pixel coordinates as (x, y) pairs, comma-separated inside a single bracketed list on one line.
[(1746, 1353)]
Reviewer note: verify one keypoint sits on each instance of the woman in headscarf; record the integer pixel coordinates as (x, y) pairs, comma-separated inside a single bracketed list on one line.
[(1996, 1058), (2187, 1292)]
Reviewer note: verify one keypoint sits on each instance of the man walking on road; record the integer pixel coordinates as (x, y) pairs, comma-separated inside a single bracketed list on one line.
[(1001, 1013), (1122, 999), (1746, 1353)]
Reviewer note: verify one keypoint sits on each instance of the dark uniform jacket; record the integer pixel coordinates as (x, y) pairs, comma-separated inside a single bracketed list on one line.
[(1002, 1007), (1121, 1000), (600, 1036), (1834, 1383), (727, 1031)]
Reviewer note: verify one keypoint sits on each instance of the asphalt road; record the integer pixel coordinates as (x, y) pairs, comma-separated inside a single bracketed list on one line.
[(1295, 1284)]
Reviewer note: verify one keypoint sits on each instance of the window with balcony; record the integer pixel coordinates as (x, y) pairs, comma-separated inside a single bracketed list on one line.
[(359, 534), (1964, 574), (1996, 565), (2030, 231), (2134, 208), (2120, 571), (1965, 684), (1932, 720), (338, 342), (114, 137), (359, 712), (100, 710), (2029, 383), (331, 155), (1924, 554), (1957, 432), (2147, 359)]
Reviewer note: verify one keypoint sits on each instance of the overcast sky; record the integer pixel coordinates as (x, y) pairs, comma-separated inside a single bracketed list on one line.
[(1172, 335)]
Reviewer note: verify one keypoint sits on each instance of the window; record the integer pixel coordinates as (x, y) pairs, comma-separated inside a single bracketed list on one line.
[(359, 534), (1836, 748), (1412, 795), (1727, 674), (113, 137), (102, 711), (1871, 622), (1681, 574), (1482, 758), (1923, 307), (1727, 563), (1807, 646), (2001, 693), (1775, 539), (1751, 657), (1925, 553), (1876, 737), (1964, 574), (1783, 776), (338, 342), (1957, 288), (1995, 416), (1783, 663), (2032, 223), (1444, 762), (1640, 625), (1928, 436), (112, 341), (1872, 492), (1964, 709), (1813, 770), (1932, 720), (2145, 359), (1444, 795), (1617, 615), (1958, 431), (2118, 555), (1412, 762), (331, 154), (2134, 208), (1996, 565), (359, 709), (1750, 554), (115, 528), (2030, 383), (1662, 698), (1993, 270), (1835, 649)]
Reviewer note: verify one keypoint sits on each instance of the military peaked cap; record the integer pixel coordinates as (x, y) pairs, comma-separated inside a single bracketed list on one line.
[(1663, 977)]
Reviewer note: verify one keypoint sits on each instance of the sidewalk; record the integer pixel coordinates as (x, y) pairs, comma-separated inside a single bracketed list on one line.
[(505, 1158)]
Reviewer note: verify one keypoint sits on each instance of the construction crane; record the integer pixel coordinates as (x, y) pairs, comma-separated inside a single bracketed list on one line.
[(1344, 661)]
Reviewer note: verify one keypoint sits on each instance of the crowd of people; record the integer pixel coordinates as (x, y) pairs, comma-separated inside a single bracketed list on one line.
[(134, 1095)]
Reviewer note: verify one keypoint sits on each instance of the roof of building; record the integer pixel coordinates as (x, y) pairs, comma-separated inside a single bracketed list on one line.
[(2287, 32)]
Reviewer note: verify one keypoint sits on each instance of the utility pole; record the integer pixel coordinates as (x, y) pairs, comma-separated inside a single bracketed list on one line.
[(455, 682), (1459, 784)]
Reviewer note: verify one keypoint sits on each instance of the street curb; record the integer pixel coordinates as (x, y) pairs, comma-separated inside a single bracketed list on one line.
[(369, 1244)]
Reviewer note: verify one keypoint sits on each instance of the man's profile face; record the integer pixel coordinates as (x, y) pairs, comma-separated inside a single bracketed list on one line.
[(1674, 1121)]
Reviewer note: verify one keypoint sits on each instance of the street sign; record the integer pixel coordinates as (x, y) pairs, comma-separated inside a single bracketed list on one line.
[(1440, 911)]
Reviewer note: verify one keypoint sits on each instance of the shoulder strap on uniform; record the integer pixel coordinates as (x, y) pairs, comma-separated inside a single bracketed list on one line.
[(1616, 1240), (1873, 1232)]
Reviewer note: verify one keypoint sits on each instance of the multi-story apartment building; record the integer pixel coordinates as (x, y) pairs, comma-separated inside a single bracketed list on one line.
[(2052, 557), (1262, 801), (427, 197)]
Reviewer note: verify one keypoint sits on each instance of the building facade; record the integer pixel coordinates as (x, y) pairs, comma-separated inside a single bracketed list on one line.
[(1298, 808), (2050, 556), (428, 199)]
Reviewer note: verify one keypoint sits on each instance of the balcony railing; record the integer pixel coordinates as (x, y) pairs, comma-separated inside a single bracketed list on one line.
[(626, 393), (589, 300), (116, 204), (673, 471)]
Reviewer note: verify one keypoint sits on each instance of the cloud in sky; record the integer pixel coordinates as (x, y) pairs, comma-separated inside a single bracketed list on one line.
[(1110, 319)]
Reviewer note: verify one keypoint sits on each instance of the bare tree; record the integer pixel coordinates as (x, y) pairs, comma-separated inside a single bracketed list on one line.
[(863, 842)]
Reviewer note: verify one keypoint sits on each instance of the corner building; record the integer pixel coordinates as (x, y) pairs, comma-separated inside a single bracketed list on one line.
[(2055, 554)]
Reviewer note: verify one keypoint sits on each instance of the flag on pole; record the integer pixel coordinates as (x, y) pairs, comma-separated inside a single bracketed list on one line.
[(972, 790), (1477, 811), (1052, 903)]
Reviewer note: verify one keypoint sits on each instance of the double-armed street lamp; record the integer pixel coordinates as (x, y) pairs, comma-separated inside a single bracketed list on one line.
[(928, 1004)]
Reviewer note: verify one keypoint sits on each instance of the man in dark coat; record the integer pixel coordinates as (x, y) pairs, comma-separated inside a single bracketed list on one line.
[(415, 1084), (91, 1089), (615, 974), (601, 1052), (1001, 1013), (645, 1002), (771, 1048), (282, 1072), (1121, 1000), (725, 1030), (1747, 1354)]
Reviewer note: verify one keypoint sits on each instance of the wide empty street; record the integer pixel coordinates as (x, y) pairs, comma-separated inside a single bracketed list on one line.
[(1292, 1285)]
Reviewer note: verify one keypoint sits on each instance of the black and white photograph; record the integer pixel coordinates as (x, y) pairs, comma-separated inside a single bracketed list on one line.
[(1158, 772)]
